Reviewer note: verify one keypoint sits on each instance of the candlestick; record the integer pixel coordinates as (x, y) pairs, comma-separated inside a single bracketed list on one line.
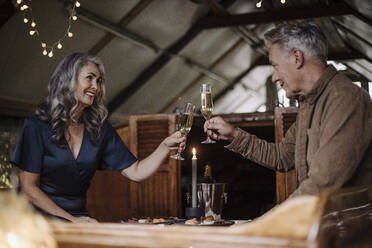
[(194, 177)]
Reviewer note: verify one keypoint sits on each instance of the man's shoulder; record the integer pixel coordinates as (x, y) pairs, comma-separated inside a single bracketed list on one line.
[(342, 88)]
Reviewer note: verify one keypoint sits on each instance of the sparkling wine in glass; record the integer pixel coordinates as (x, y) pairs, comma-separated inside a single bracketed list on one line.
[(206, 106), (184, 124)]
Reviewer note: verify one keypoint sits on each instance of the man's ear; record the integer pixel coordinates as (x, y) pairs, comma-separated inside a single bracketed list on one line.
[(299, 58)]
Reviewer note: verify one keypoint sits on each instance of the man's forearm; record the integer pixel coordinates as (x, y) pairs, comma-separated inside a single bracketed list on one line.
[(270, 155)]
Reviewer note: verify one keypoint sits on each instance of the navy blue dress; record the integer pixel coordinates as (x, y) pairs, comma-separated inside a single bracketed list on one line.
[(62, 177)]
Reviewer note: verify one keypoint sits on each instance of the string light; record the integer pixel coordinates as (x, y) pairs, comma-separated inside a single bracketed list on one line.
[(25, 7), (259, 3)]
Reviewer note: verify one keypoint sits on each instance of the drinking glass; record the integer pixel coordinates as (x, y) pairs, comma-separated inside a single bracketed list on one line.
[(206, 106), (184, 123)]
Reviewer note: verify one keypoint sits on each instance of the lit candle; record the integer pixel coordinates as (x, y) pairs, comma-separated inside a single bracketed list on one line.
[(194, 182)]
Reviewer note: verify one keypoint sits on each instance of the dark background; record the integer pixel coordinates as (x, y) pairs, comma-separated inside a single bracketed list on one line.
[(250, 187)]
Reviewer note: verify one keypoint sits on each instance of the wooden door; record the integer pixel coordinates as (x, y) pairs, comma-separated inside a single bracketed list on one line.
[(112, 197), (285, 182), (108, 195), (159, 195)]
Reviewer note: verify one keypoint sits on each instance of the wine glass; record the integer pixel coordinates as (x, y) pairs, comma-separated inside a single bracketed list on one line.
[(184, 123), (206, 106)]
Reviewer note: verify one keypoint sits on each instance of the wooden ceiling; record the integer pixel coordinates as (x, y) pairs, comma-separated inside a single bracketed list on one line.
[(244, 22)]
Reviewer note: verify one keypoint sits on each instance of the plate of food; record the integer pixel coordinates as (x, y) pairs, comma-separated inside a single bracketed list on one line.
[(156, 221), (208, 221)]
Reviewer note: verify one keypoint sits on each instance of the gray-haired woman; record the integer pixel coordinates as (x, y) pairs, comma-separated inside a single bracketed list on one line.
[(69, 138)]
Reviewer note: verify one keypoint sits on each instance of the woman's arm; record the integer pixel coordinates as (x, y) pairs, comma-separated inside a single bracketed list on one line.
[(30, 187), (146, 167)]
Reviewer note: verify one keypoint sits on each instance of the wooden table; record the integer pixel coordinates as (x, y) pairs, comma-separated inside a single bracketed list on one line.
[(342, 218)]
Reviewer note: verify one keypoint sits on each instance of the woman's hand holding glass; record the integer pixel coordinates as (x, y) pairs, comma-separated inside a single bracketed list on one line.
[(184, 124), (176, 141)]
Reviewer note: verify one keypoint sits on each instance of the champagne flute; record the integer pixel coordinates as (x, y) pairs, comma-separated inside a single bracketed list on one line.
[(184, 123), (206, 106)]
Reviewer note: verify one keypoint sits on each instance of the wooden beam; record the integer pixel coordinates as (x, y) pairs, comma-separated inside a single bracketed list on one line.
[(128, 18), (150, 71), (341, 56), (365, 85), (7, 10), (360, 16), (197, 80), (250, 37), (258, 61), (115, 29), (284, 14), (354, 75), (16, 107), (346, 41), (156, 66), (336, 56)]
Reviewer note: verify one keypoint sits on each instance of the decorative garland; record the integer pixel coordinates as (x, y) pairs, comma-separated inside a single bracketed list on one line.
[(28, 18)]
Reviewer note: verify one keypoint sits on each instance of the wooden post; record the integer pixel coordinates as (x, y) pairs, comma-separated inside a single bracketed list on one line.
[(285, 182)]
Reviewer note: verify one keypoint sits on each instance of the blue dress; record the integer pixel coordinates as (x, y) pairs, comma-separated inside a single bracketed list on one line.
[(62, 177)]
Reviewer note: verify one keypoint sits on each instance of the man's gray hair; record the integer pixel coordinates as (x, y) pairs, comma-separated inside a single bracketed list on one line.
[(305, 36)]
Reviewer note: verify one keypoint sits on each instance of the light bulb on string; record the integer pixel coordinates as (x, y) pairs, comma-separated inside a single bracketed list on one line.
[(47, 50), (24, 7), (259, 4)]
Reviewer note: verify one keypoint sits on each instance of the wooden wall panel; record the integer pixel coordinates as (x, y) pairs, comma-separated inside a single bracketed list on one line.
[(112, 197), (285, 182), (159, 195), (108, 196)]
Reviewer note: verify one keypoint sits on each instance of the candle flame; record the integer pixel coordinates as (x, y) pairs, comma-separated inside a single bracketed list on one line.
[(193, 151), (12, 240)]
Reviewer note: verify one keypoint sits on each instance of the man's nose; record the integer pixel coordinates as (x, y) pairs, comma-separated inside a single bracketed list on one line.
[(274, 77)]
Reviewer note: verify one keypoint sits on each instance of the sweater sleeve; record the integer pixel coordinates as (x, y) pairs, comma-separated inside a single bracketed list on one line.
[(273, 156)]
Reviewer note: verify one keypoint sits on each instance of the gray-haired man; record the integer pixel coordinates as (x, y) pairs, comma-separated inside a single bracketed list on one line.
[(329, 145)]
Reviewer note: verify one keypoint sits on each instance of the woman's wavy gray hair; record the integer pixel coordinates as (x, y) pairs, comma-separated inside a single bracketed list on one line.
[(61, 102), (305, 36)]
